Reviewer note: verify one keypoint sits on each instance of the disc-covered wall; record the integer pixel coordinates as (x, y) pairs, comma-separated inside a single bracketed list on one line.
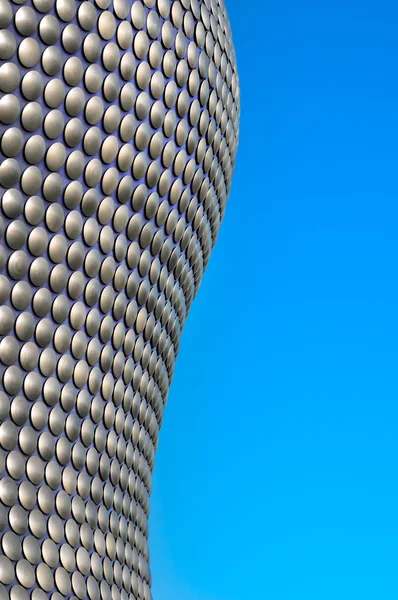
[(119, 127)]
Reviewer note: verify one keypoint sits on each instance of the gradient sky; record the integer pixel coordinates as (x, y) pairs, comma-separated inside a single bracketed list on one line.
[(276, 473)]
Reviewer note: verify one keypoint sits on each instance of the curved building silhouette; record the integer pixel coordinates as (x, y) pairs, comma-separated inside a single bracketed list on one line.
[(119, 126)]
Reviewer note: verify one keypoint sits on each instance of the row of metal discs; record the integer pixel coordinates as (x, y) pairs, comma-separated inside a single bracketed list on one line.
[(207, 30), (179, 13), (71, 37)]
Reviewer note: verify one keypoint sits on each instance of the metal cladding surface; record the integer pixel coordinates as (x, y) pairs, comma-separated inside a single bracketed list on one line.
[(119, 127)]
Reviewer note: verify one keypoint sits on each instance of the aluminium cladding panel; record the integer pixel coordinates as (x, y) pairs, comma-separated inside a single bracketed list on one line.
[(119, 127)]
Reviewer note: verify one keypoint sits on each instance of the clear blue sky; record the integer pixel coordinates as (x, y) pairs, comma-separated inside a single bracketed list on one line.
[(276, 474)]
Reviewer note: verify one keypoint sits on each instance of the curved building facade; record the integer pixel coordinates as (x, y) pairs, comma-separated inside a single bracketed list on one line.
[(119, 127)]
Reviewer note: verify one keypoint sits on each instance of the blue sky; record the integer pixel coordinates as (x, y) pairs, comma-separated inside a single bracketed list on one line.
[(276, 473)]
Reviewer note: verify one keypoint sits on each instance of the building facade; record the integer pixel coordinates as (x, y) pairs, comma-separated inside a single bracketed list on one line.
[(119, 123)]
